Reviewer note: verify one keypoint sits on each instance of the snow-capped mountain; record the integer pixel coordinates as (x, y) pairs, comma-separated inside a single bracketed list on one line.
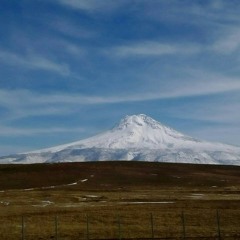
[(136, 137)]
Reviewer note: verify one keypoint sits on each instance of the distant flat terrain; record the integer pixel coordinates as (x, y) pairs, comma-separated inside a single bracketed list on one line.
[(119, 193)]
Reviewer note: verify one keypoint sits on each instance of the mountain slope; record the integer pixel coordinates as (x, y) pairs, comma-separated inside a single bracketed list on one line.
[(136, 137)]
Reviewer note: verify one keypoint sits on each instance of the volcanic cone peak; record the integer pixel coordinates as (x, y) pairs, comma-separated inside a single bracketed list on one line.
[(145, 129), (134, 132), (140, 120), (136, 137)]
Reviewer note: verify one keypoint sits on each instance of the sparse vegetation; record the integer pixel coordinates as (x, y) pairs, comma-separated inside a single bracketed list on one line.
[(113, 193)]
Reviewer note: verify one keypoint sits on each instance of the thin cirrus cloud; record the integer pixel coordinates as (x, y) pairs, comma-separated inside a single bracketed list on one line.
[(152, 48), (200, 84), (219, 110), (85, 5), (22, 103), (19, 104), (228, 41), (68, 47), (79, 59), (33, 62), (209, 13), (91, 5), (14, 131), (70, 28), (226, 134)]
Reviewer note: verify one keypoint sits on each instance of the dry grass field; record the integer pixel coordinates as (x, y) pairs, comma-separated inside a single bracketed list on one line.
[(119, 200)]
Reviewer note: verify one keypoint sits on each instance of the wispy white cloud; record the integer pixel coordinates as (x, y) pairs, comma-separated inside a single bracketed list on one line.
[(225, 41), (209, 14), (151, 48), (203, 85), (26, 132), (202, 82), (228, 41), (16, 131), (226, 133), (24, 103), (82, 4), (92, 5), (82, 40), (70, 28), (74, 49), (7, 149), (219, 111), (33, 62)]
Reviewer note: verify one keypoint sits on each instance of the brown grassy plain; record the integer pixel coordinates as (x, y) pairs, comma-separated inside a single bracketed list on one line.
[(116, 200)]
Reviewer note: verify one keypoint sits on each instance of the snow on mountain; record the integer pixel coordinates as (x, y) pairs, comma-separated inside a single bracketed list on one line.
[(136, 137)]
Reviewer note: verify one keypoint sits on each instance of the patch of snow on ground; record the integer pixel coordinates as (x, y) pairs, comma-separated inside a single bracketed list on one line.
[(197, 195), (44, 204), (146, 202), (5, 203), (84, 180), (28, 189), (91, 196), (48, 187), (71, 184)]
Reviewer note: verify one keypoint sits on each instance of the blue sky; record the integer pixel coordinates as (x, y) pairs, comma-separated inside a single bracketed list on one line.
[(70, 69)]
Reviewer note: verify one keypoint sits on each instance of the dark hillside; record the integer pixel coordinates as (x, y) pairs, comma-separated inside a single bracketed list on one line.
[(118, 174)]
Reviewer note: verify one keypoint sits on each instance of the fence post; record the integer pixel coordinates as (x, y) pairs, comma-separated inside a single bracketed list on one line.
[(56, 227), (119, 229), (87, 220), (152, 229), (183, 225), (23, 228), (218, 225)]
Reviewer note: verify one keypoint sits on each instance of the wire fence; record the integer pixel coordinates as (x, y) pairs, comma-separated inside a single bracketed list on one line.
[(91, 227)]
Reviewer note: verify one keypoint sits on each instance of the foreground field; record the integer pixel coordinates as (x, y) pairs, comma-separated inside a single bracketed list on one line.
[(106, 200)]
